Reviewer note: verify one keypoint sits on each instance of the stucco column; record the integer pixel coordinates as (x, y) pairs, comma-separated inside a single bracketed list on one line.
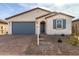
[(9, 28), (38, 31), (37, 28)]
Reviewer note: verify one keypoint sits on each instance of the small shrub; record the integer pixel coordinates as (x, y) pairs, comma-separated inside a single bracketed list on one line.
[(62, 35), (59, 40), (77, 34), (73, 34), (73, 41)]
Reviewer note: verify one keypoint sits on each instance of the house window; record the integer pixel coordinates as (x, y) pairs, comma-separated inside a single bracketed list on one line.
[(59, 24), (1, 27)]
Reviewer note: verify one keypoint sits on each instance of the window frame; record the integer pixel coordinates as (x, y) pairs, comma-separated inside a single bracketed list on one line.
[(61, 23), (1, 27)]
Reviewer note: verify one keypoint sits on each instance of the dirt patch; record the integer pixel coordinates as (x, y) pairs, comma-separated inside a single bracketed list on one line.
[(45, 48), (50, 46), (14, 45)]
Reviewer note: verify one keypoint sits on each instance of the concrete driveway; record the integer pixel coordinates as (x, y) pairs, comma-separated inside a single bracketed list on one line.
[(14, 45)]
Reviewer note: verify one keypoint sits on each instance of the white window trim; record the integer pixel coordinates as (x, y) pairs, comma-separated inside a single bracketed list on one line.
[(61, 24)]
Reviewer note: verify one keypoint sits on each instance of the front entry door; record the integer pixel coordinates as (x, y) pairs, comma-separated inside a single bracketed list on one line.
[(42, 27)]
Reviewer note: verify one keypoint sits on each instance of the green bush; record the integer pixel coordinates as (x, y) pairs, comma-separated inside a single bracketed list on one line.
[(73, 41), (77, 34)]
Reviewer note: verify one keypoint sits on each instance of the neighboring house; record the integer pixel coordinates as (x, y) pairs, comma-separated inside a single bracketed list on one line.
[(3, 27), (38, 20), (75, 26)]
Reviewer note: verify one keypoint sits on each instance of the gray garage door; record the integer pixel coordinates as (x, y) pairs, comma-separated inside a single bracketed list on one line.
[(23, 28)]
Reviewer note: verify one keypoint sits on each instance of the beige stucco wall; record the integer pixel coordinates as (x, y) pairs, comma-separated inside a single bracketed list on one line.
[(38, 24), (31, 17), (40, 20), (27, 17), (5, 29), (49, 25), (51, 31)]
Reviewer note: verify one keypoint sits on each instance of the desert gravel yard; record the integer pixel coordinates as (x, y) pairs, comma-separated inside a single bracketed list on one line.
[(49, 46), (14, 45), (26, 45)]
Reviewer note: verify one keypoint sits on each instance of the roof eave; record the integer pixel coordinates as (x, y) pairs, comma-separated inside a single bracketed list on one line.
[(26, 12), (45, 15), (60, 13)]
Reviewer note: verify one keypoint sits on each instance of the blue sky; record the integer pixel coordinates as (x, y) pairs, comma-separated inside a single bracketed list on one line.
[(9, 9)]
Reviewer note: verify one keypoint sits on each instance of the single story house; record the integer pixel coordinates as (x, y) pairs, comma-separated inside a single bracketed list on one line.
[(75, 26), (3, 27), (40, 21)]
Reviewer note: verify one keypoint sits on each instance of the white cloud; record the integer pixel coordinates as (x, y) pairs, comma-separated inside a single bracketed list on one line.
[(72, 9)]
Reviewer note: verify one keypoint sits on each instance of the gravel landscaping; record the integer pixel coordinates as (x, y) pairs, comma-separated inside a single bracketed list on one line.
[(26, 45), (49, 46), (14, 45)]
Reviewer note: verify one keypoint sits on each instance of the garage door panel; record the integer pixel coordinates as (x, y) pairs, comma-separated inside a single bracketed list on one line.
[(23, 28)]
